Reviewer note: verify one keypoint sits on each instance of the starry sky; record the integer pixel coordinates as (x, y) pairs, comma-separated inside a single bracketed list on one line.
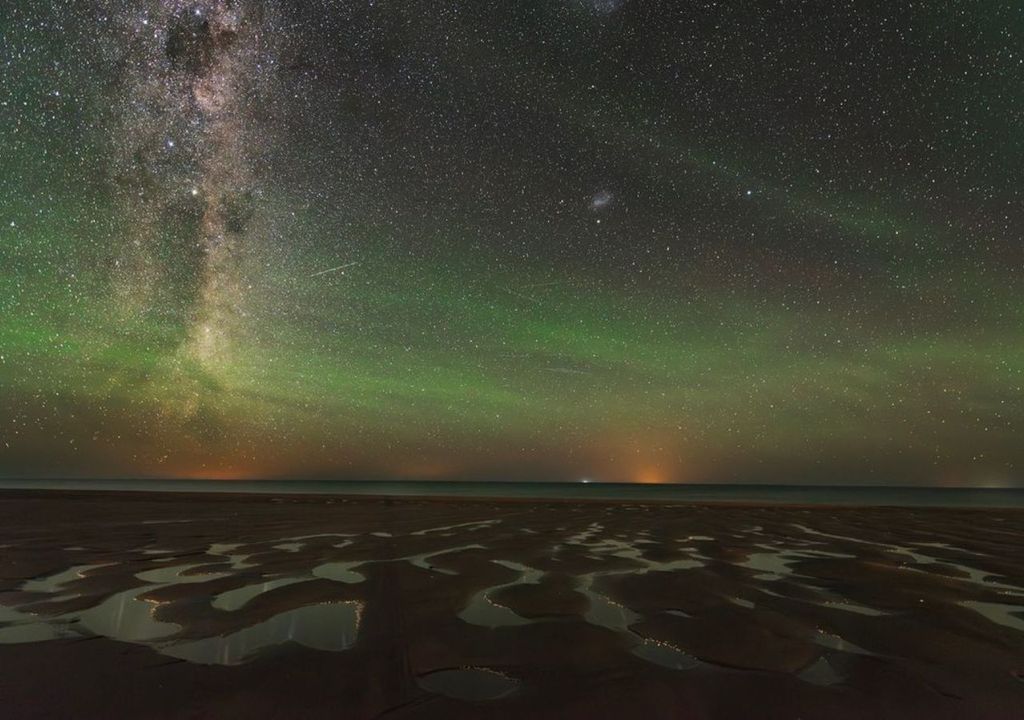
[(624, 240)]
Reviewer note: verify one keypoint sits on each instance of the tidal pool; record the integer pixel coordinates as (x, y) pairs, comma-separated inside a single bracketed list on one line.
[(470, 683)]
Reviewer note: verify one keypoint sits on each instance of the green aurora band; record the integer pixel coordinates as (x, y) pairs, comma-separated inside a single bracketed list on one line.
[(533, 377)]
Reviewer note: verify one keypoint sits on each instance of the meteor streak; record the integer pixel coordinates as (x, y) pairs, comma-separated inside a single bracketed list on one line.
[(334, 269)]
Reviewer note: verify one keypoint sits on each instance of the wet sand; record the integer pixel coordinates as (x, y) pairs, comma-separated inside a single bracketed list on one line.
[(213, 606)]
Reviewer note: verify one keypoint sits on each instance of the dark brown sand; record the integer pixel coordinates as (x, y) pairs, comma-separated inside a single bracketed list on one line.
[(591, 609)]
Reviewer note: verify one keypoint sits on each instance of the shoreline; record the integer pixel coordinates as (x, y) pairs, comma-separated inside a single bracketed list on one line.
[(872, 497), (181, 605)]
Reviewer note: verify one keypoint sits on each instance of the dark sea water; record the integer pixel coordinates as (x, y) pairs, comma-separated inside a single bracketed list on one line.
[(785, 494)]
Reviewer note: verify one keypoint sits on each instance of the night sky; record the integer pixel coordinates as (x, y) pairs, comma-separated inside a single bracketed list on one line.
[(624, 240)]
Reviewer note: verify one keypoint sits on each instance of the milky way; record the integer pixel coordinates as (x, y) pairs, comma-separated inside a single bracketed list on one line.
[(188, 149), (632, 240)]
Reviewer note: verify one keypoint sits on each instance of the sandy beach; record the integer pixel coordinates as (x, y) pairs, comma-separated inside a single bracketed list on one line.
[(150, 605)]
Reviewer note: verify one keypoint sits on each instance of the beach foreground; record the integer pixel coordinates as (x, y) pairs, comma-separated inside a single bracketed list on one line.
[(151, 605)]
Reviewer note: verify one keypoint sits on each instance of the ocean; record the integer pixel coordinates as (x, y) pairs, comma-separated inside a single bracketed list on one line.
[(626, 492)]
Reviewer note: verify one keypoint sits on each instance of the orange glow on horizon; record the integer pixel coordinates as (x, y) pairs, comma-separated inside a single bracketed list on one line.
[(219, 474), (650, 476)]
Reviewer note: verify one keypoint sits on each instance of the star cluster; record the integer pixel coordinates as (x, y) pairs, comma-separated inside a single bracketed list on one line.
[(627, 240)]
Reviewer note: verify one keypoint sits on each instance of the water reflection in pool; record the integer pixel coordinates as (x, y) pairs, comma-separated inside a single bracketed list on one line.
[(471, 683), (331, 627), (131, 615)]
